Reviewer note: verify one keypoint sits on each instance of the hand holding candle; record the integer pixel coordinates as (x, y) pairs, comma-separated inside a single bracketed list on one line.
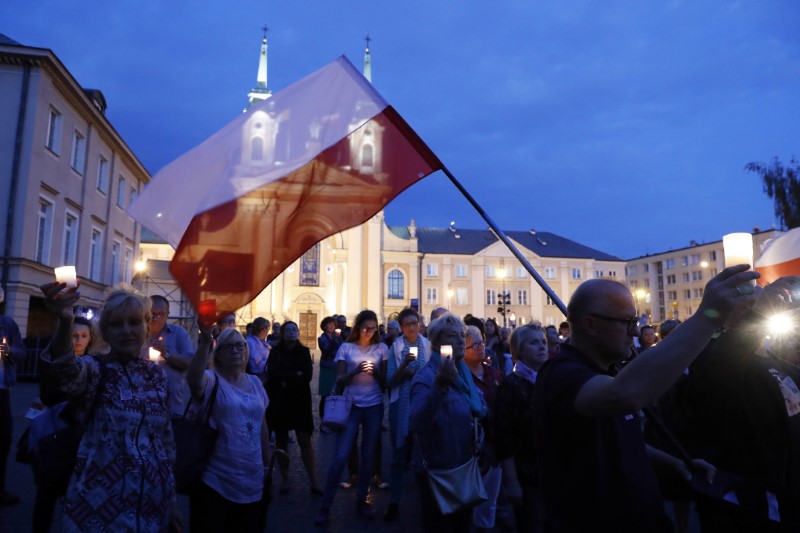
[(153, 354), (412, 352)]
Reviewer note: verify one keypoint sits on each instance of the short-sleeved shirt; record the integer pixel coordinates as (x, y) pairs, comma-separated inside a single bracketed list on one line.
[(258, 355), (178, 342), (236, 468), (594, 471), (364, 390)]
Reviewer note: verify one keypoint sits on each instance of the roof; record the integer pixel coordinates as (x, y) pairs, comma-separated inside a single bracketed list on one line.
[(8, 41), (150, 237), (471, 241)]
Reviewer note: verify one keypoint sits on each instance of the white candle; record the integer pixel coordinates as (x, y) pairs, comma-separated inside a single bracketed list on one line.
[(446, 350), (67, 274), (738, 249), (412, 351), (153, 354)]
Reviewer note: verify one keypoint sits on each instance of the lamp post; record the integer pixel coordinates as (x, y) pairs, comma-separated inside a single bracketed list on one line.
[(140, 274), (449, 297), (505, 299), (513, 319)]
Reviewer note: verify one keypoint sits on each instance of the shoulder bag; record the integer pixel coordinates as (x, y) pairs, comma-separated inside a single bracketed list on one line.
[(337, 411), (459, 487), (194, 444)]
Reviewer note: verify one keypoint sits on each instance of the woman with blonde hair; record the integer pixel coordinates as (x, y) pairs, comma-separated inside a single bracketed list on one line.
[(231, 492), (123, 478)]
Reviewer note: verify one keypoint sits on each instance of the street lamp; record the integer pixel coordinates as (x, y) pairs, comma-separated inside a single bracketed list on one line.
[(513, 319), (140, 274), (504, 299), (449, 297)]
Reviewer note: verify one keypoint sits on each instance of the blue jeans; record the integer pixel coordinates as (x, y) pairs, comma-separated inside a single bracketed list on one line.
[(399, 456), (369, 418)]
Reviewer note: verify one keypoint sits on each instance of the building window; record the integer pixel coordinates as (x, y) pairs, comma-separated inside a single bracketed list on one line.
[(461, 271), (367, 157), (491, 297), (631, 270), (461, 296), (685, 260), (128, 268), (634, 284), (712, 255), (521, 272), (713, 272), (672, 295), (44, 230), (687, 293), (102, 175), (647, 267), (697, 275), (598, 273), (133, 196), (549, 302), (698, 293), (646, 283), (54, 131), (395, 283), (612, 273), (431, 296), (685, 276), (78, 152), (70, 238), (669, 263), (309, 267), (431, 270), (116, 249), (489, 271), (550, 273), (522, 297), (671, 279), (95, 251), (121, 192), (576, 273)]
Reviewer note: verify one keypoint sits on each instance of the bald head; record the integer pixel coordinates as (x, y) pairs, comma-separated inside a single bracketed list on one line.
[(597, 296)]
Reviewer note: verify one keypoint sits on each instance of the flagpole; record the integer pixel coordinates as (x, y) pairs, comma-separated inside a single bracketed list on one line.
[(502, 236)]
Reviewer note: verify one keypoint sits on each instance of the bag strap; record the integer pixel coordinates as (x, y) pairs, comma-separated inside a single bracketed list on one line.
[(475, 443), (213, 398), (665, 432)]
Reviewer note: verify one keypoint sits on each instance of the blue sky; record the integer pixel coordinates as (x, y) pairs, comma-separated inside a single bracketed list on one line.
[(623, 125)]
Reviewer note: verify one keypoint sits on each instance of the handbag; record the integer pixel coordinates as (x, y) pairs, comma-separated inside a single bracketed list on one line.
[(459, 487), (337, 411), (194, 444)]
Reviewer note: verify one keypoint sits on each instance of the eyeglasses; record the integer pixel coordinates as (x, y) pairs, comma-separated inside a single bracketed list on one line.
[(237, 346), (158, 314), (369, 330), (409, 324), (477, 345), (632, 323)]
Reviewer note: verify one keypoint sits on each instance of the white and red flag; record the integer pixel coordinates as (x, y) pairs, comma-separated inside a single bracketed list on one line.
[(779, 257), (323, 155)]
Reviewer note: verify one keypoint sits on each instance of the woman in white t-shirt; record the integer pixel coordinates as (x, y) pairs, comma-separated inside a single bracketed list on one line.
[(230, 495), (361, 373)]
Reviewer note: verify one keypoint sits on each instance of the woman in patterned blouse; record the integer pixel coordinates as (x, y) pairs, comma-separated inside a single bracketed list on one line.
[(123, 477)]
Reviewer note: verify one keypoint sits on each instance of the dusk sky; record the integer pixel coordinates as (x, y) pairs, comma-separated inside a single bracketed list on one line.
[(622, 125)]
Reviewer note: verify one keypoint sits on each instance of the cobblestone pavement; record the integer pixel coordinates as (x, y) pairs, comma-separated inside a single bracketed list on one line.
[(293, 512)]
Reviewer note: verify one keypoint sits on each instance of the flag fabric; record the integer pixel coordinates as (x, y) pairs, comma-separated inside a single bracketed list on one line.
[(323, 155), (779, 257)]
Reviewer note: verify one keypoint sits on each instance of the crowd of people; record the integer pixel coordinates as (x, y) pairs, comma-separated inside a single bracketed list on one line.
[(554, 415)]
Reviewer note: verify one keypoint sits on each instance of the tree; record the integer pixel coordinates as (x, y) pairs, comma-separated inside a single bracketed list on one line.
[(782, 185)]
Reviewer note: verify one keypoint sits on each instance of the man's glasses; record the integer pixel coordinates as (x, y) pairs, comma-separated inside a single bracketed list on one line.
[(158, 314), (632, 323), (477, 345), (237, 346)]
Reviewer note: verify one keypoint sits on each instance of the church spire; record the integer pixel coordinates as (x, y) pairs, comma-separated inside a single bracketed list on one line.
[(261, 91), (367, 60)]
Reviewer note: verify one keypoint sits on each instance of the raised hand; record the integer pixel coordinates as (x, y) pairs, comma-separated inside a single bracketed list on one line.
[(59, 301), (726, 292)]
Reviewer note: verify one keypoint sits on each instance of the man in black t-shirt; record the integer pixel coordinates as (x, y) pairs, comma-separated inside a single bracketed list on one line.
[(595, 470)]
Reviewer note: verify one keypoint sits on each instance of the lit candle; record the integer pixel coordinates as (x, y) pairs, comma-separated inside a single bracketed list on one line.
[(67, 274), (338, 331), (154, 354), (738, 249), (446, 350), (412, 351)]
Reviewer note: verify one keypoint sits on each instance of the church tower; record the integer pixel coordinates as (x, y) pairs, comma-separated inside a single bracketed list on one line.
[(260, 91), (367, 61)]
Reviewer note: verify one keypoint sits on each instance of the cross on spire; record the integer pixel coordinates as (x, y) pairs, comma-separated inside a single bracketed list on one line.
[(368, 39), (266, 29)]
